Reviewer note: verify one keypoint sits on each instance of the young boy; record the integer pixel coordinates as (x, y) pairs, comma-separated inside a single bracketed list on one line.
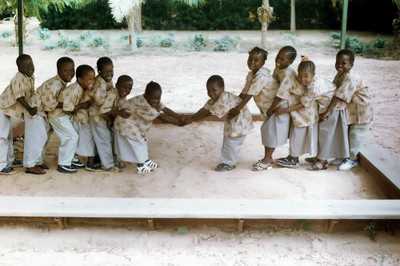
[(105, 98), (359, 111), (78, 104), (235, 129), (53, 101), (132, 125), (13, 104)]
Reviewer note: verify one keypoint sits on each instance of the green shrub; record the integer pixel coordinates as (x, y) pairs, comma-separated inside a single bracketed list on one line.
[(225, 43), (63, 41), (44, 33), (99, 41), (49, 46), (167, 41), (85, 35), (6, 34), (378, 43), (353, 44), (197, 42), (74, 45)]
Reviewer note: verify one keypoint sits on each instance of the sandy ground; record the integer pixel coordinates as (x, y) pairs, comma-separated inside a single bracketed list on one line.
[(186, 164)]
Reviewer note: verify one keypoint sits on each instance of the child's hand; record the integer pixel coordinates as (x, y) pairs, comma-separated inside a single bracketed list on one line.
[(270, 112), (32, 111), (124, 113), (323, 117), (84, 105), (233, 113)]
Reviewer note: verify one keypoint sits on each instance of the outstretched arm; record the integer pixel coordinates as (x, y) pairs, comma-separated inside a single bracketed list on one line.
[(275, 103), (292, 108), (200, 114), (235, 111)]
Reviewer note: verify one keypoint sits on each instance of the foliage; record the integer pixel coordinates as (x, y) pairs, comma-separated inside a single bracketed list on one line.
[(197, 42), (44, 33), (168, 41), (226, 43), (351, 42), (99, 41), (85, 35), (6, 34)]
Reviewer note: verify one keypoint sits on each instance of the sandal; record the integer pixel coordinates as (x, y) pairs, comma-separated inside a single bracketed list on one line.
[(151, 164), (222, 167), (289, 162), (260, 166), (320, 165), (311, 160), (43, 166), (144, 169), (36, 170)]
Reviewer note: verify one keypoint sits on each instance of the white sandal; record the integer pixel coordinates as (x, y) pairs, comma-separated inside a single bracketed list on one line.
[(260, 166), (151, 164), (144, 169)]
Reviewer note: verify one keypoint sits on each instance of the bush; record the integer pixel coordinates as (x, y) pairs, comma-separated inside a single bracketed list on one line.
[(85, 35), (225, 43), (6, 34), (351, 42), (197, 42), (99, 41), (44, 33), (168, 41)]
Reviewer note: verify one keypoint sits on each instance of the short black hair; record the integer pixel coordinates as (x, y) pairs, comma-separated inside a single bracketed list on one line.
[(152, 87), (290, 50), (103, 61), (259, 50), (62, 61), (216, 79), (21, 58), (124, 78), (82, 70), (306, 64), (347, 52)]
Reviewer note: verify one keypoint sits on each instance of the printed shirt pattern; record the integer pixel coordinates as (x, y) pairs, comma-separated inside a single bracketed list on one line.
[(237, 126), (105, 99), (82, 115), (315, 99), (138, 124), (356, 96), (263, 87), (46, 98), (287, 80), (70, 98), (20, 86)]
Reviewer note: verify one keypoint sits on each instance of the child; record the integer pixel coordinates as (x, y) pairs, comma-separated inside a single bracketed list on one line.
[(261, 85), (53, 102), (13, 104), (131, 132), (304, 111), (104, 97), (79, 106), (359, 112), (235, 129), (333, 141)]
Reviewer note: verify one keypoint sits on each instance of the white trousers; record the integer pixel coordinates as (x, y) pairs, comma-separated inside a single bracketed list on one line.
[(66, 132), (6, 141), (37, 133), (104, 143), (85, 145), (130, 150), (230, 149), (357, 135)]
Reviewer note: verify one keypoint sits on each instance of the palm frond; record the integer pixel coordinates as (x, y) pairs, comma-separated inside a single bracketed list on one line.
[(122, 8)]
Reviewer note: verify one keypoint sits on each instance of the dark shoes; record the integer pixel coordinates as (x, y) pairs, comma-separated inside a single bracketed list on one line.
[(288, 162), (36, 170), (67, 169), (8, 171), (17, 163), (222, 167), (93, 167)]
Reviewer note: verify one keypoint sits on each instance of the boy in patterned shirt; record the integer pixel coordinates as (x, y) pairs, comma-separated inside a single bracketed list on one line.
[(79, 103), (14, 102), (52, 102), (131, 131), (235, 129), (359, 111)]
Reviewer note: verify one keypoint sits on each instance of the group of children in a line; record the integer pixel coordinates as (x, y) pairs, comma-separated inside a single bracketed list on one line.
[(94, 119)]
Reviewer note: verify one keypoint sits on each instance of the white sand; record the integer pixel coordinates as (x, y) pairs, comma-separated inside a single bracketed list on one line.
[(187, 156)]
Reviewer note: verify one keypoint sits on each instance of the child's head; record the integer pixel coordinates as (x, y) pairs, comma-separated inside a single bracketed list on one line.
[(124, 85), (344, 61), (105, 68), (215, 87), (306, 71), (85, 76), (285, 57), (66, 68), (153, 93), (25, 65), (256, 59)]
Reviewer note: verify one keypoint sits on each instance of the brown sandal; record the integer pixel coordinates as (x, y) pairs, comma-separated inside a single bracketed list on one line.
[(43, 166), (36, 170)]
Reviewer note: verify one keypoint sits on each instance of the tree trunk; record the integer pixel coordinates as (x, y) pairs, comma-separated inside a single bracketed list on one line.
[(292, 15), (264, 13), (138, 18), (131, 30), (16, 28)]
